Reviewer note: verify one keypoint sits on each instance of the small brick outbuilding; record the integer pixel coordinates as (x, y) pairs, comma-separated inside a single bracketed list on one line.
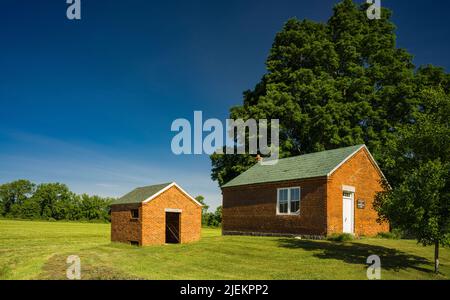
[(155, 215), (315, 194)]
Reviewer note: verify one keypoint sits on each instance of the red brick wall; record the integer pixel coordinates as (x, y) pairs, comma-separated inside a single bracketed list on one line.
[(361, 173), (252, 209), (150, 228), (123, 228), (153, 217)]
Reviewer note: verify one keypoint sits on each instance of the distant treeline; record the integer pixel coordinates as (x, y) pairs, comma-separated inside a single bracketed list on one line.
[(210, 219), (50, 201)]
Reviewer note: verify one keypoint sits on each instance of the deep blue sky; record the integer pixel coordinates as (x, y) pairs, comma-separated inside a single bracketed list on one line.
[(89, 103)]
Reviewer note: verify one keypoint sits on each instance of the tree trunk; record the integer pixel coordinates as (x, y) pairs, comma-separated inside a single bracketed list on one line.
[(436, 257)]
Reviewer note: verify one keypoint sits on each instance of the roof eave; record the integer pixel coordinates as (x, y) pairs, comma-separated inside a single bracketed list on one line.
[(165, 188), (168, 187), (275, 181)]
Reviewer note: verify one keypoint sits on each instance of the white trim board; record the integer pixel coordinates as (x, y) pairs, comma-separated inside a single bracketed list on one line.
[(168, 187), (173, 210), (348, 188)]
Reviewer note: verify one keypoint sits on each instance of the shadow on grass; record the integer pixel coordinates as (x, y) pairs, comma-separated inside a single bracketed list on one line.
[(357, 253)]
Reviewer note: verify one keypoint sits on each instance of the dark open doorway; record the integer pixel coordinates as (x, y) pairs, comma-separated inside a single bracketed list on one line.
[(172, 227)]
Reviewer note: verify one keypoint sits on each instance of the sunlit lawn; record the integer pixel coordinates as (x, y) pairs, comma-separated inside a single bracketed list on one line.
[(38, 250)]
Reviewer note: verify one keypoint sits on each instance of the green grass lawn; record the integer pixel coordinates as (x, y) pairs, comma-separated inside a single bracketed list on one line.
[(38, 250)]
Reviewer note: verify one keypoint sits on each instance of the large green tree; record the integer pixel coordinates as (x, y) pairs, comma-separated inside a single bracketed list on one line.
[(54, 200), (94, 207), (14, 194), (331, 85), (419, 201)]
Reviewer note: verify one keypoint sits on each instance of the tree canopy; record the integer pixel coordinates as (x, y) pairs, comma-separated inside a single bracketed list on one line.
[(210, 219), (331, 85), (419, 202)]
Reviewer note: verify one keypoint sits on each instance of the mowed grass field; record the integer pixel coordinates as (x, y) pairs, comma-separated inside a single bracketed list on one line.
[(38, 250)]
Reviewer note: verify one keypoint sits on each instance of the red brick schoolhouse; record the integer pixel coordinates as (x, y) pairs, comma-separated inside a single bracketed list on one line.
[(315, 195)]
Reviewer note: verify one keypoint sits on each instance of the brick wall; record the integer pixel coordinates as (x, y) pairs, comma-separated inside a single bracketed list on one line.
[(361, 173), (252, 209), (150, 228), (123, 228), (153, 217)]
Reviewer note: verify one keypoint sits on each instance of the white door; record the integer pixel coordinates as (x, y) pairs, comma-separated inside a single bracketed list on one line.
[(348, 212)]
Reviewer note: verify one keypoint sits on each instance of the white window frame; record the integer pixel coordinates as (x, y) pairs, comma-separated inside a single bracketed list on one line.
[(289, 213)]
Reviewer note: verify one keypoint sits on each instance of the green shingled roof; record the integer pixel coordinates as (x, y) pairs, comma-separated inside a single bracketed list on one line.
[(296, 167), (140, 194)]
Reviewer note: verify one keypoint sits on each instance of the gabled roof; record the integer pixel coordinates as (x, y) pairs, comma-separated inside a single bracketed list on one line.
[(311, 165), (147, 193)]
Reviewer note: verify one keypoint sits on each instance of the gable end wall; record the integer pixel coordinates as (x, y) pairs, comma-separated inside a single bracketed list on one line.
[(153, 217), (360, 172)]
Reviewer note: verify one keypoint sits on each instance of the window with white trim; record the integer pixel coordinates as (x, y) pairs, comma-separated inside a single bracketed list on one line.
[(288, 201)]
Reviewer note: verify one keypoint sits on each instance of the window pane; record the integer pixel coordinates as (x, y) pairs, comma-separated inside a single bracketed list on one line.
[(295, 206), (295, 194), (283, 201), (283, 209), (283, 195)]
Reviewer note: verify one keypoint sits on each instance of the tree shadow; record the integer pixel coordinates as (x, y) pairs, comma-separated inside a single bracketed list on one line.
[(357, 253)]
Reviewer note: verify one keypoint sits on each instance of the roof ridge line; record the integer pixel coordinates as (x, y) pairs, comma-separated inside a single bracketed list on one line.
[(308, 165), (310, 153)]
